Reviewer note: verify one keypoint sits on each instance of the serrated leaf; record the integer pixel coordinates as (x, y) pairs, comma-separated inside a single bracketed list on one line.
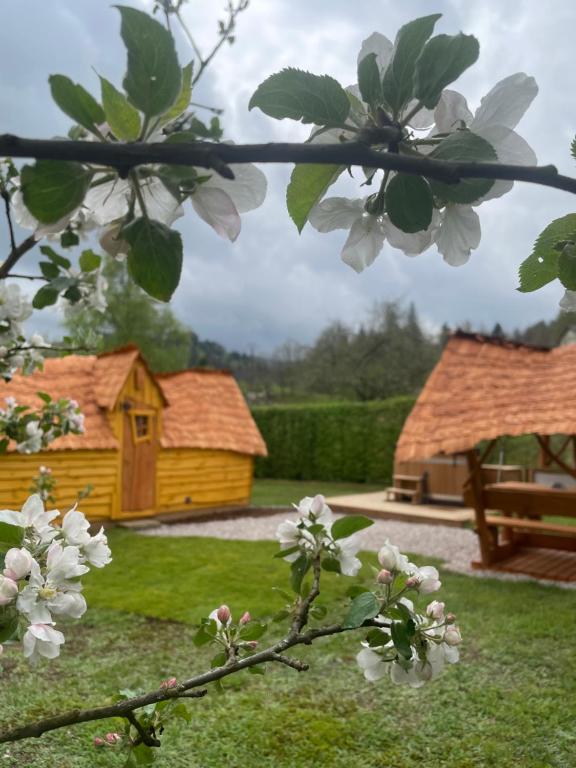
[(398, 81), (370, 81), (363, 607), (182, 102), (155, 258), (442, 60), (302, 96), (308, 184), (153, 79), (400, 638), (541, 267), (463, 146), (122, 117), (89, 261), (45, 297), (53, 189), (409, 202), (76, 102), (346, 526), (10, 536)]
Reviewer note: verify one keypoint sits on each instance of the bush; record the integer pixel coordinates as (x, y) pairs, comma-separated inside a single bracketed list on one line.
[(351, 442)]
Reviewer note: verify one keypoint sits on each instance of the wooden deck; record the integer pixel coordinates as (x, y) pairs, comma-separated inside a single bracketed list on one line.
[(375, 505), (554, 565)]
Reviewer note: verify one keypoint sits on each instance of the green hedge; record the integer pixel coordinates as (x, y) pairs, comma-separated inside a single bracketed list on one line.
[(352, 442)]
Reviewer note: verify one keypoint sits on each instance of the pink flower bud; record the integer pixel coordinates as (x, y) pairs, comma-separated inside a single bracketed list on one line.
[(113, 738), (223, 614), (18, 563), (252, 644), (245, 618), (413, 581), (450, 618), (452, 636), (98, 742), (8, 590), (385, 577), (435, 610), (170, 683), (317, 504)]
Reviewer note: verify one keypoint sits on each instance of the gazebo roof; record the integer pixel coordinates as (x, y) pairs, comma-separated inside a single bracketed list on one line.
[(483, 388)]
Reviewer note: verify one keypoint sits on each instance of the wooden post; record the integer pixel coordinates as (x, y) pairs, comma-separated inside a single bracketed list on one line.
[(552, 457), (487, 543)]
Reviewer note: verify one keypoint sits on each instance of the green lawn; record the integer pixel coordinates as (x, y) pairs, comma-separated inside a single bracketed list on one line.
[(511, 702), (274, 492)]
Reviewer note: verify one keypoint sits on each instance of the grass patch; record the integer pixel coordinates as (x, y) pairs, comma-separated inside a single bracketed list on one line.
[(511, 702), (286, 492)]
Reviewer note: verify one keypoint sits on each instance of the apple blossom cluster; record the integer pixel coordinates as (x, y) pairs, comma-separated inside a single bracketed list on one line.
[(33, 430), (16, 352), (235, 639), (454, 226), (40, 583), (409, 647)]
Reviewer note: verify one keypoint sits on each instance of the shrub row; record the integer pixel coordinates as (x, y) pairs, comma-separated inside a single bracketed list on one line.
[(350, 442)]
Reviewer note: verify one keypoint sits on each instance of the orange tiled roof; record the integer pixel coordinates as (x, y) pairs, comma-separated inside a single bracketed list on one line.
[(483, 388), (73, 377), (207, 410)]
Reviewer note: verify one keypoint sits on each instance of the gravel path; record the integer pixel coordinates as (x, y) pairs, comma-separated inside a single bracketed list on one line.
[(456, 546)]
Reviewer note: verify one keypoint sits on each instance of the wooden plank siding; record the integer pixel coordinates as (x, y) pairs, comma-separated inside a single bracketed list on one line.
[(195, 478), (73, 470)]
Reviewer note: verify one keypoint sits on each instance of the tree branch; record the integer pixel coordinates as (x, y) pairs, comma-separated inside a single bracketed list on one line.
[(15, 255), (218, 156)]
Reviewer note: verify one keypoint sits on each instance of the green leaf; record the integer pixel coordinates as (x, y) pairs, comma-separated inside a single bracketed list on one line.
[(153, 79), (4, 443), (541, 267), (89, 261), (376, 638), (155, 258), (139, 756), (8, 628), (463, 146), (52, 188), (181, 712), (409, 202), (122, 117), (257, 669), (45, 297), (363, 607), (10, 536), (308, 184), (287, 551), (61, 261), (573, 148), (253, 631), (76, 102), (48, 269), (302, 96), (369, 80), (398, 81), (298, 570), (355, 590), (400, 638), (331, 564), (44, 396), (346, 526), (69, 239), (567, 267), (183, 100), (218, 660), (443, 59)]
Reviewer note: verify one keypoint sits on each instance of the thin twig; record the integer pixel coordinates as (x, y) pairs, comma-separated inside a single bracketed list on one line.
[(6, 198), (15, 255), (217, 157), (145, 737)]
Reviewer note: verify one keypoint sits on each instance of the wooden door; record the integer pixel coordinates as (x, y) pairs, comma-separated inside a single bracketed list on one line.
[(139, 460)]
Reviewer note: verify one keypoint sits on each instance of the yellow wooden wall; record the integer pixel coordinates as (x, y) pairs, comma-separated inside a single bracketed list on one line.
[(73, 470), (208, 478)]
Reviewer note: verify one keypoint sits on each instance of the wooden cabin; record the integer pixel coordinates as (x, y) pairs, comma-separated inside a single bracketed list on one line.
[(152, 444), (484, 388)]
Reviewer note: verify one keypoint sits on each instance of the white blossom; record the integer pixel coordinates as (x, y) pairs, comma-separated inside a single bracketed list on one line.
[(33, 442), (345, 551), (390, 557), (17, 563), (42, 640)]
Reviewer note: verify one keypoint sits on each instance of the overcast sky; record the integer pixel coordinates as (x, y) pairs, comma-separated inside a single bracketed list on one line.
[(273, 285)]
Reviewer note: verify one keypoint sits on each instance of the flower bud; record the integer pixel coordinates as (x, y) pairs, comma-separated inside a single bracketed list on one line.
[(170, 683), (8, 590), (113, 738), (252, 644), (452, 636), (18, 563), (435, 610), (388, 557), (412, 581), (98, 742), (450, 618), (223, 614), (317, 504), (245, 618), (385, 577)]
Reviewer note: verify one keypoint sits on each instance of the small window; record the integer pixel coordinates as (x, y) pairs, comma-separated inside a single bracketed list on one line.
[(142, 426)]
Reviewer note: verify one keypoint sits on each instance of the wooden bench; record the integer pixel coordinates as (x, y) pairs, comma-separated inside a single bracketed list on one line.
[(414, 490)]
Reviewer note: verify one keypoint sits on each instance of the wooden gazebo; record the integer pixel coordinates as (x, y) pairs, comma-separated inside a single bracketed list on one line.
[(484, 388)]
